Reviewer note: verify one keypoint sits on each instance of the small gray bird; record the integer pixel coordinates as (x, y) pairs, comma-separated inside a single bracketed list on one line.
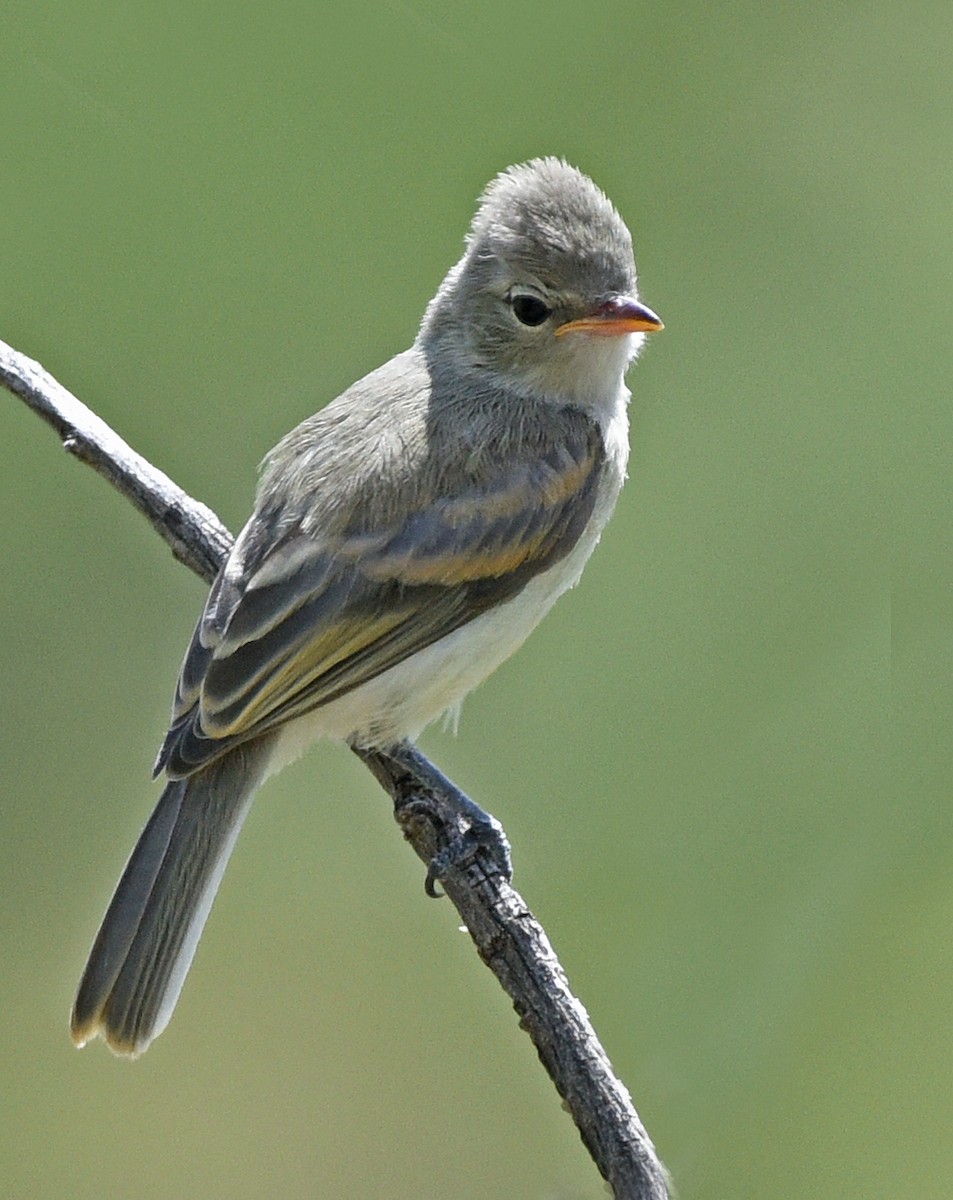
[(405, 541)]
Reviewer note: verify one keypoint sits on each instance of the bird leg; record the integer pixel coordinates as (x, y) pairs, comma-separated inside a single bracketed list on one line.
[(422, 793)]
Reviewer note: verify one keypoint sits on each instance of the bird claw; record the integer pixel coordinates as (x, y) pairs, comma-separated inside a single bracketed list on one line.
[(484, 833), (421, 791)]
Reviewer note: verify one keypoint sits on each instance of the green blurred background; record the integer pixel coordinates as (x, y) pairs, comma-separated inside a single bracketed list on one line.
[(216, 216)]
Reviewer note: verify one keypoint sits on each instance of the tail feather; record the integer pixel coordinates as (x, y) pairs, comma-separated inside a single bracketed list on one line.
[(149, 934)]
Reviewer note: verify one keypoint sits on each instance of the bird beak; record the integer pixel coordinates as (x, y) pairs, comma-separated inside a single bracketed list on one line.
[(613, 317)]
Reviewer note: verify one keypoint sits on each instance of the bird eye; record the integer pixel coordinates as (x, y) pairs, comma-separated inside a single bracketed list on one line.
[(530, 310)]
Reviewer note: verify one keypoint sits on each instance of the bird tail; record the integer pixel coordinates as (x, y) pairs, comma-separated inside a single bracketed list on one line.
[(145, 945)]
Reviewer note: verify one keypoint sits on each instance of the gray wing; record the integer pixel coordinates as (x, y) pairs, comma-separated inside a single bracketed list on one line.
[(296, 619)]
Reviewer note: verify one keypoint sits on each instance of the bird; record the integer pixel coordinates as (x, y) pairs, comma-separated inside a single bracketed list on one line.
[(404, 542)]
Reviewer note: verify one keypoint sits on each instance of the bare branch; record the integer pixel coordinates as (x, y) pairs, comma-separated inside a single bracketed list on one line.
[(196, 535), (507, 936)]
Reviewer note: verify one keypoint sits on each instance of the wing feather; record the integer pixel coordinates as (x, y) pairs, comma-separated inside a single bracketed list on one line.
[(300, 618)]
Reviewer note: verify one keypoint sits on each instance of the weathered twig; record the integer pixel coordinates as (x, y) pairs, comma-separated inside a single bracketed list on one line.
[(508, 937)]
